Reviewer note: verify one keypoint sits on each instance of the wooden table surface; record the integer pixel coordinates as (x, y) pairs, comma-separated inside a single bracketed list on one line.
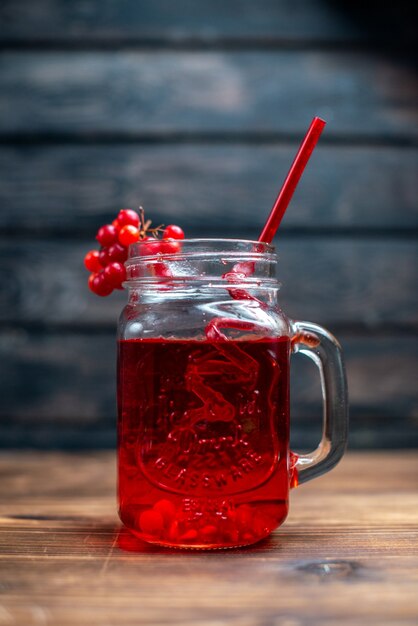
[(348, 553)]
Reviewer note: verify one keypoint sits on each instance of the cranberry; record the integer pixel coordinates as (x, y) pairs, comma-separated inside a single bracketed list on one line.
[(169, 246), (127, 217), (104, 257), (167, 509), (161, 270), (173, 531), (106, 264), (106, 235), (208, 532), (90, 281), (117, 253), (149, 246), (128, 234), (115, 274), (190, 535), (151, 522), (91, 261), (173, 232), (99, 284)]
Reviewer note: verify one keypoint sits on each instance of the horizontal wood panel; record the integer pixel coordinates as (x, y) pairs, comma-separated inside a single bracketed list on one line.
[(138, 92), (77, 188), (155, 19), (54, 383), (365, 433), (330, 281)]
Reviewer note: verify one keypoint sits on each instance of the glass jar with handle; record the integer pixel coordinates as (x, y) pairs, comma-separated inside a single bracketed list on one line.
[(203, 393)]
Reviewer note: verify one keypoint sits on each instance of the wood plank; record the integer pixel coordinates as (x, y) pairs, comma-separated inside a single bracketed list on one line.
[(331, 281), (66, 559), (223, 606), (55, 388), (266, 92), (92, 20), (77, 188)]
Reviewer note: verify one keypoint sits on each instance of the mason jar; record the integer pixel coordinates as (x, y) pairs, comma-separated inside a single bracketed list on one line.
[(204, 355)]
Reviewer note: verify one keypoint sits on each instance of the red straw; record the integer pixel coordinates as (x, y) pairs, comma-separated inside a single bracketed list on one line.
[(288, 188)]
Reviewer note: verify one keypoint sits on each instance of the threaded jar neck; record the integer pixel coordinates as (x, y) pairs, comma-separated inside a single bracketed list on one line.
[(214, 262)]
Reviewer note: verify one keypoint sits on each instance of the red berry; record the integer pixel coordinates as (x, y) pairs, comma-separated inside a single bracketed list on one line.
[(127, 217), (169, 246), (190, 535), (167, 509), (91, 261), (208, 532), (116, 224), (99, 285), (106, 235), (90, 281), (115, 274), (173, 531), (149, 246), (151, 522), (117, 253), (128, 234), (173, 232), (161, 270), (104, 257)]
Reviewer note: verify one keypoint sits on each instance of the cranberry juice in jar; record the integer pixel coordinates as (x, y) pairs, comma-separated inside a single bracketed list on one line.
[(203, 395), (203, 386), (203, 439)]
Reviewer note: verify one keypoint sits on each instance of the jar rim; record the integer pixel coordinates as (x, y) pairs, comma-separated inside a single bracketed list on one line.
[(225, 244)]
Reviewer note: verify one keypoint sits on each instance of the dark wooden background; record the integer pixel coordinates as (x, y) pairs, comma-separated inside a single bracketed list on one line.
[(194, 109)]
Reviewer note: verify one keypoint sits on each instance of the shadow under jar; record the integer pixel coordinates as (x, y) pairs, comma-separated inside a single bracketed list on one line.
[(203, 396)]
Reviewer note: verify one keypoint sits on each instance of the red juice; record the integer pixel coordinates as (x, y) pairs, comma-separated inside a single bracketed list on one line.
[(203, 439)]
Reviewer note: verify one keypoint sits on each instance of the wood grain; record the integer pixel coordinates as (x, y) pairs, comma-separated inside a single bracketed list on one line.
[(343, 280), (75, 188), (59, 391), (204, 92), (66, 560), (92, 20)]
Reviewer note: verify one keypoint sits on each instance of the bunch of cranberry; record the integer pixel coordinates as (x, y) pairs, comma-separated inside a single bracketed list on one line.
[(107, 264)]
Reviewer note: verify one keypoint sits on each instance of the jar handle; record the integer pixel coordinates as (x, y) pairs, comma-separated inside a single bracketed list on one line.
[(324, 350)]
